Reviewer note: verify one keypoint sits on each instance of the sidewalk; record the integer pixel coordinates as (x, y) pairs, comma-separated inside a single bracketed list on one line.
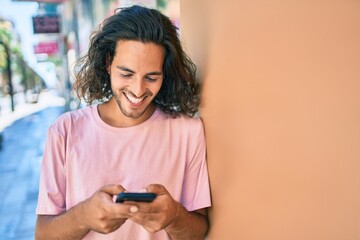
[(22, 109), (24, 134)]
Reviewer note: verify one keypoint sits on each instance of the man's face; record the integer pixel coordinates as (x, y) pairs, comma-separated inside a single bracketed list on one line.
[(136, 77)]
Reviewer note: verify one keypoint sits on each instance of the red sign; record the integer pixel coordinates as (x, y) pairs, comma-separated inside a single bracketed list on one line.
[(49, 48)]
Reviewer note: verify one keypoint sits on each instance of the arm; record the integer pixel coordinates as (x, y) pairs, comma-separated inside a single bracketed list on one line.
[(189, 225), (98, 213), (65, 226), (165, 213)]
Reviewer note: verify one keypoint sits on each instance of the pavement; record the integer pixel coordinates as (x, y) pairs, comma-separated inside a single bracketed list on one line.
[(24, 132)]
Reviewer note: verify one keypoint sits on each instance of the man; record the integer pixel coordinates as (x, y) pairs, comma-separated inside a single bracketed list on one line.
[(142, 136)]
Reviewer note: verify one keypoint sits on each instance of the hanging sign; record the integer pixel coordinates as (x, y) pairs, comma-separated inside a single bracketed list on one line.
[(49, 48), (47, 23)]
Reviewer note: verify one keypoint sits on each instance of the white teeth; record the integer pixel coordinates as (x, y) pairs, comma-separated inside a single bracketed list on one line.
[(133, 99)]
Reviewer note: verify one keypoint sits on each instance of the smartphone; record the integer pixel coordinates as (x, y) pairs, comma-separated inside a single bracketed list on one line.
[(136, 197)]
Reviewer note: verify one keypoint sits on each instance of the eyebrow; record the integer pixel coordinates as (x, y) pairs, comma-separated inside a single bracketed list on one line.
[(125, 69), (131, 71)]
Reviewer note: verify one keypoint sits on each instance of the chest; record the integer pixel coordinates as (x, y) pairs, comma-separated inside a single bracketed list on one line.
[(133, 161)]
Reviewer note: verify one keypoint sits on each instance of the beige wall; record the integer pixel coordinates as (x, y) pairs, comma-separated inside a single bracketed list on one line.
[(281, 109)]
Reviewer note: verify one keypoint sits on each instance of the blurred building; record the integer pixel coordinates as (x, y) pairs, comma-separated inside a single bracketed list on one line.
[(16, 77)]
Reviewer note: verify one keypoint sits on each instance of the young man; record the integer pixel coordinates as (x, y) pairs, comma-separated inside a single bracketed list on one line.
[(142, 137)]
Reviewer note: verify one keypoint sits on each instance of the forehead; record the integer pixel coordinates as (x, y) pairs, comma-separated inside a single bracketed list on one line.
[(136, 52)]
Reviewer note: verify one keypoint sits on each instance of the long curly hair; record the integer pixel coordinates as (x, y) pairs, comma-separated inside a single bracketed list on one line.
[(180, 91)]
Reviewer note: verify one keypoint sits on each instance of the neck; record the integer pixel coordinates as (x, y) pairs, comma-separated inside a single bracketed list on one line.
[(111, 114)]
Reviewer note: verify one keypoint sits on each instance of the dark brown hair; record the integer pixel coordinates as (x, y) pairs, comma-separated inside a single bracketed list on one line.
[(179, 93)]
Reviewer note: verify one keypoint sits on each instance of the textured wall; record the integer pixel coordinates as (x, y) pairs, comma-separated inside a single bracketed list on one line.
[(281, 108)]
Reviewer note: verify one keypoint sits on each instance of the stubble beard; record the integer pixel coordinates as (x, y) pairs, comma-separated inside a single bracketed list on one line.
[(126, 113)]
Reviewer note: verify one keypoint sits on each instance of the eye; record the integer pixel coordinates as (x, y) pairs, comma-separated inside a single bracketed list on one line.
[(126, 75), (150, 79)]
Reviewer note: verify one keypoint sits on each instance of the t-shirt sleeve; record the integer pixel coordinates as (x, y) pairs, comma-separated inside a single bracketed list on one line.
[(196, 189), (51, 200)]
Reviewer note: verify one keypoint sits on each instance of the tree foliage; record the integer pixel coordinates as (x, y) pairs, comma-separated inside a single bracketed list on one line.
[(5, 39)]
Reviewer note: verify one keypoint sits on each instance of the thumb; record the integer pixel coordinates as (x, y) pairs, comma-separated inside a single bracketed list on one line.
[(158, 189), (112, 189)]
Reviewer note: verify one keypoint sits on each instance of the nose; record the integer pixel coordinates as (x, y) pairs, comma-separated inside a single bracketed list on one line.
[(138, 87)]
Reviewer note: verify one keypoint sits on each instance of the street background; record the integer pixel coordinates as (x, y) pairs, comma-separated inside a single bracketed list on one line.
[(24, 134)]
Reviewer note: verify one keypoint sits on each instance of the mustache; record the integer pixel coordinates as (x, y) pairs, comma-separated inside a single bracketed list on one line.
[(147, 93)]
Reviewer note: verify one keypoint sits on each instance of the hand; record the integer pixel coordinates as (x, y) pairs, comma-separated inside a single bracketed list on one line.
[(99, 212), (158, 214)]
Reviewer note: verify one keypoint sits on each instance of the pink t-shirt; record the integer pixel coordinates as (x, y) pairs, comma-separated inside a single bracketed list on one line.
[(83, 153)]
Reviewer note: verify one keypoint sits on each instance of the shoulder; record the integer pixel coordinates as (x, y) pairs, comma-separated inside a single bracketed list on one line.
[(68, 119), (184, 123)]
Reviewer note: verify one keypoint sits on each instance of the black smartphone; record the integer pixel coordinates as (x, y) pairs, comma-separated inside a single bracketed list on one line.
[(136, 197)]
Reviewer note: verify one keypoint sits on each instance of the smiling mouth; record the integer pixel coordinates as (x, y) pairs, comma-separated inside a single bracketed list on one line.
[(134, 100)]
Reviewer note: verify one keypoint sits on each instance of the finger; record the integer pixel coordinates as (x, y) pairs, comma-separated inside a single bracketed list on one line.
[(145, 218), (144, 207), (158, 189), (151, 222), (133, 209), (112, 189), (125, 210)]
